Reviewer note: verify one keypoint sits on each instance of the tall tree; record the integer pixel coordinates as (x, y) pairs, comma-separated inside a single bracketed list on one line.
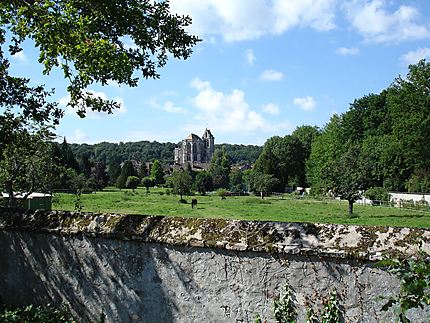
[(24, 132), (236, 181), (26, 164), (328, 147), (157, 172), (284, 159), (409, 106), (306, 135), (114, 170), (68, 159), (100, 175), (85, 165), (182, 182), (219, 169), (345, 177), (127, 169)]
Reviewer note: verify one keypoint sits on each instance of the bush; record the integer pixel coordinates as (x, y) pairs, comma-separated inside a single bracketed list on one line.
[(221, 192), (46, 314), (377, 194)]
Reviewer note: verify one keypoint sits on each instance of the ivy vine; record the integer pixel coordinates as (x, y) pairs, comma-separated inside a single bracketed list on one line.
[(414, 276)]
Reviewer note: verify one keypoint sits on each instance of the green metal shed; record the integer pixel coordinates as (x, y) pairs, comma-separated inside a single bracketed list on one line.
[(35, 201)]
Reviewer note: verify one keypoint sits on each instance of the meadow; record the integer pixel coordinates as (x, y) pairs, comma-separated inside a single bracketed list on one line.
[(285, 208)]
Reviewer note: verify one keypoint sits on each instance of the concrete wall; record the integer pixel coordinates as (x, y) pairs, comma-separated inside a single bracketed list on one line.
[(396, 198), (157, 269)]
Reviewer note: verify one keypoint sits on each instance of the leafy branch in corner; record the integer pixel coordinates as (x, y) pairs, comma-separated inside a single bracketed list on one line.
[(414, 276)]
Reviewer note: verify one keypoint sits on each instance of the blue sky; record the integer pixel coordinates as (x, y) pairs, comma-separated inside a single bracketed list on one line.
[(263, 68)]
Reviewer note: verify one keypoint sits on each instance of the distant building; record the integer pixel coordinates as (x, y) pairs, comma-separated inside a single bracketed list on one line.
[(196, 150)]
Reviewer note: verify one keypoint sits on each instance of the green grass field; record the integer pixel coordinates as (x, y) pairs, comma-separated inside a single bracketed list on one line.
[(286, 209)]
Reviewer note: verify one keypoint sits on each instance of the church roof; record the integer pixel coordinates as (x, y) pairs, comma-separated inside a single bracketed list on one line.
[(192, 136)]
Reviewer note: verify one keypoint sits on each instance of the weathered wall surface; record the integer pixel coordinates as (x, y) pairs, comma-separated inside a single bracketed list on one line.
[(159, 269)]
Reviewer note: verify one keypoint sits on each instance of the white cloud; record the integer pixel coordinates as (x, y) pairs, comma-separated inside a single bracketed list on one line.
[(271, 75), (78, 137), (250, 19), (152, 135), (250, 57), (167, 106), (200, 85), (413, 57), (228, 113), (308, 103), (344, 51), (21, 57), (64, 101), (271, 108), (376, 24)]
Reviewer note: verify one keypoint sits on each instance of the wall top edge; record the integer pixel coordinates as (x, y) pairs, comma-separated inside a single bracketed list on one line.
[(333, 240)]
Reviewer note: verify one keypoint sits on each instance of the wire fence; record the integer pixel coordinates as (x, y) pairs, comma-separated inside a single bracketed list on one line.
[(419, 206)]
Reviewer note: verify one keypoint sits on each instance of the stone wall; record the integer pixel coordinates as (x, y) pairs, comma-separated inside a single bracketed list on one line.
[(165, 269)]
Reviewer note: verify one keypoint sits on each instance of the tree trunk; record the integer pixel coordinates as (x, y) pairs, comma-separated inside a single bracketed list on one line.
[(350, 206)]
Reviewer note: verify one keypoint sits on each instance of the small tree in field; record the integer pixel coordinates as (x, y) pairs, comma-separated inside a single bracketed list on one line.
[(147, 182), (121, 181), (132, 182), (182, 182), (262, 183), (345, 177)]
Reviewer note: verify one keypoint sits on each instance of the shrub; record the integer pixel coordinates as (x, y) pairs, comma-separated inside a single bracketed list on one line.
[(221, 192), (377, 194), (31, 313)]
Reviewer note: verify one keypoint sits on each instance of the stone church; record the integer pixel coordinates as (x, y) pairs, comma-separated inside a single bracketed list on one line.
[(196, 150)]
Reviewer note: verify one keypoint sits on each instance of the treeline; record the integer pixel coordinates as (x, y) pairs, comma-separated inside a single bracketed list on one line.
[(147, 151), (93, 167)]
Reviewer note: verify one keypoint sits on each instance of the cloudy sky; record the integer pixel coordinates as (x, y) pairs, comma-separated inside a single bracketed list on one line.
[(264, 67)]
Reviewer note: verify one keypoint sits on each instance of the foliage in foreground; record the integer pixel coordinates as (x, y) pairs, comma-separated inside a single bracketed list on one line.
[(285, 308), (414, 276), (31, 313)]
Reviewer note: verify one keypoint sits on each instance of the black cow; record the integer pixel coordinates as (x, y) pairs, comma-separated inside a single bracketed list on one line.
[(193, 203)]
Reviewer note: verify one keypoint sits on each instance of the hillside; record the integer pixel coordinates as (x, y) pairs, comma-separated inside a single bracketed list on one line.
[(149, 151)]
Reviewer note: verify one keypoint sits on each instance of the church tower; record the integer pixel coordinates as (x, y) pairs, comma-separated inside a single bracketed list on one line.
[(209, 142)]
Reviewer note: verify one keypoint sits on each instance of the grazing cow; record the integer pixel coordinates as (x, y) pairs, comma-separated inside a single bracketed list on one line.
[(193, 203)]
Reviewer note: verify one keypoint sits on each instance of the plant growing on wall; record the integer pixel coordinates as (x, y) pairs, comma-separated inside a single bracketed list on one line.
[(332, 310), (285, 311), (414, 275), (284, 308)]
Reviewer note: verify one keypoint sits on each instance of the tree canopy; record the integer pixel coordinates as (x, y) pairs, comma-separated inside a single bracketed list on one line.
[(98, 41)]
